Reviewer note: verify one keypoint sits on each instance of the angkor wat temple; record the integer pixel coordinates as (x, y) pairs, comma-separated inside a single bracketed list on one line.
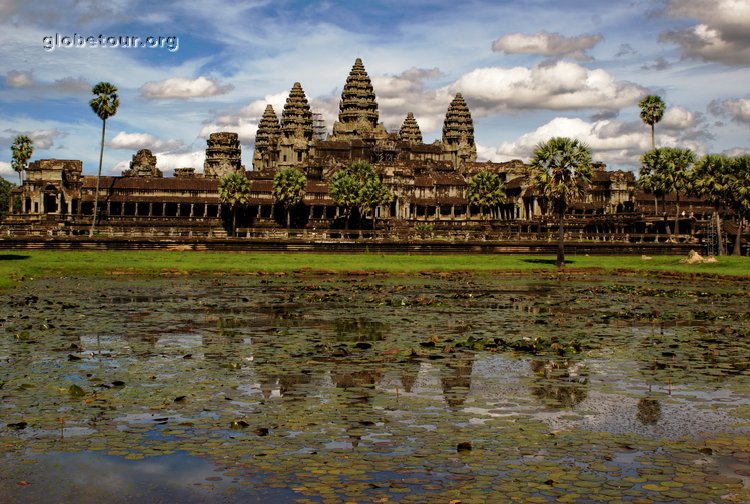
[(428, 181)]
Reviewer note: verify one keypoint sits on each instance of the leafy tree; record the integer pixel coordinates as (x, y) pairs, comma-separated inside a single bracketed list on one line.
[(562, 172), (710, 177), (739, 195), (104, 104), (21, 150), (289, 189), (234, 190), (652, 110), (5, 196), (486, 189), (669, 170), (358, 186)]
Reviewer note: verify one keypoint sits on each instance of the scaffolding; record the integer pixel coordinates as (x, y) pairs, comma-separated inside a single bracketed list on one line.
[(319, 126), (712, 239)]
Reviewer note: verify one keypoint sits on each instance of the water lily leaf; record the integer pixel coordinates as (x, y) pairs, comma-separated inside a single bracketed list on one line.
[(76, 391)]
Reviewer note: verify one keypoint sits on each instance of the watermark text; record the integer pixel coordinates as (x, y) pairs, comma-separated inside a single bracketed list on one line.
[(59, 41)]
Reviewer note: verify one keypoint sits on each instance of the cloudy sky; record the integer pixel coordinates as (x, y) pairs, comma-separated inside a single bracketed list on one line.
[(529, 70)]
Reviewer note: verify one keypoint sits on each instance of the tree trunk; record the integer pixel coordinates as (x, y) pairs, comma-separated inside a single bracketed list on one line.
[(653, 140), (234, 219), (737, 250), (656, 205), (561, 242), (666, 220), (718, 233), (98, 178), (288, 218), (677, 214)]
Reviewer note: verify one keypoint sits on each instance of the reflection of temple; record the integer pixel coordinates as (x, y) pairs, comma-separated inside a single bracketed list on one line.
[(428, 181)]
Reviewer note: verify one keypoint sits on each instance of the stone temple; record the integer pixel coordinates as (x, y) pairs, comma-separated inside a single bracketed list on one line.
[(428, 181)]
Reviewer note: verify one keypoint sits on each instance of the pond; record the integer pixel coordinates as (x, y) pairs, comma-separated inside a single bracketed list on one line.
[(369, 388)]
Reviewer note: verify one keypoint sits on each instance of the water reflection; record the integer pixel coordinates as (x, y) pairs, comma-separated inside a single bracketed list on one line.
[(649, 411), (559, 382)]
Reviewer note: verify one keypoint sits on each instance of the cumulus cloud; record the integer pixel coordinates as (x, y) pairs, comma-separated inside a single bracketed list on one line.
[(137, 141), (180, 88), (6, 171), (618, 143), (722, 33), (560, 85), (25, 80), (738, 110), (547, 44), (42, 139)]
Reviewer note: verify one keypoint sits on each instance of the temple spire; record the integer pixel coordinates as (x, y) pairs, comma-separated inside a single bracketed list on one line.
[(296, 119), (358, 110), (458, 132), (409, 131)]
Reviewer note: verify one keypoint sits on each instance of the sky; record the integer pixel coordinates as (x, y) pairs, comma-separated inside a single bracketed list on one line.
[(528, 70)]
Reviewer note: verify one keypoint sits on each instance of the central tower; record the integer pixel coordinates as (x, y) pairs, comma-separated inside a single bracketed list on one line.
[(358, 110)]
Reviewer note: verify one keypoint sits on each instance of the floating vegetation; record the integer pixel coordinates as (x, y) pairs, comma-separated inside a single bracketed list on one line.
[(443, 388)]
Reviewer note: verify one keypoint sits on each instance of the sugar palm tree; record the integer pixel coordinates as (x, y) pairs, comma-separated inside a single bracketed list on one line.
[(562, 172), (678, 176), (654, 166), (104, 104), (710, 182), (739, 195), (289, 189), (21, 150), (652, 110), (485, 189), (358, 186), (234, 189)]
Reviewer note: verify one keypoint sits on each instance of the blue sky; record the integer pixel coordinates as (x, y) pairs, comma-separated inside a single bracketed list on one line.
[(528, 70)]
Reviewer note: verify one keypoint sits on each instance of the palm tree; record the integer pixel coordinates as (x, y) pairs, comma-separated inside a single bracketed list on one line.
[(678, 176), (234, 189), (104, 104), (358, 186), (485, 189), (739, 195), (652, 110), (710, 182), (562, 173), (289, 189), (21, 150), (654, 167)]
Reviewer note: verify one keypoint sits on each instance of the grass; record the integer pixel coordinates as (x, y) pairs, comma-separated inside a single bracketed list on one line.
[(17, 265)]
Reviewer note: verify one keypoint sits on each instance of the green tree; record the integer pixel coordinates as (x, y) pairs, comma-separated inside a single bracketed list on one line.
[(5, 196), (739, 195), (670, 171), (289, 189), (485, 189), (234, 190), (652, 110), (562, 172), (358, 186), (104, 104), (710, 177), (21, 151)]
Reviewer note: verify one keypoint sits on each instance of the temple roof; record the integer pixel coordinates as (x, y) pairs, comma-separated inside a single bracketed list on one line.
[(358, 98), (269, 129), (458, 124), (296, 119)]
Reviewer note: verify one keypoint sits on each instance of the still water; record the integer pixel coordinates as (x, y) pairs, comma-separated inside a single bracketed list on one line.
[(375, 389)]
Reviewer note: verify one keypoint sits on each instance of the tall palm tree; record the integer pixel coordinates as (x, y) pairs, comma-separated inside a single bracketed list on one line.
[(652, 110), (739, 193), (104, 104), (710, 182), (678, 176), (485, 189), (562, 174), (289, 189), (21, 150), (234, 189)]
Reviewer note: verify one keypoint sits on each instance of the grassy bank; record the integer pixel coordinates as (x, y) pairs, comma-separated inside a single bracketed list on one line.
[(33, 264)]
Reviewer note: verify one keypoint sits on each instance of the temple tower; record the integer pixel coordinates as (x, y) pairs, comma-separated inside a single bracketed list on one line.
[(296, 128), (223, 155), (409, 131), (267, 141), (358, 110), (458, 133)]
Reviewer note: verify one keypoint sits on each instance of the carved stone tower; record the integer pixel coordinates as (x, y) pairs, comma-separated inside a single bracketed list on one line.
[(296, 128), (409, 131), (223, 155), (458, 133), (267, 141), (358, 110)]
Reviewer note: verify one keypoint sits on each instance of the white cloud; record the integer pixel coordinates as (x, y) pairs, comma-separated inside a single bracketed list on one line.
[(179, 88), (6, 171), (547, 44), (19, 79), (42, 139), (558, 86), (613, 142), (737, 109), (722, 33), (137, 141)]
